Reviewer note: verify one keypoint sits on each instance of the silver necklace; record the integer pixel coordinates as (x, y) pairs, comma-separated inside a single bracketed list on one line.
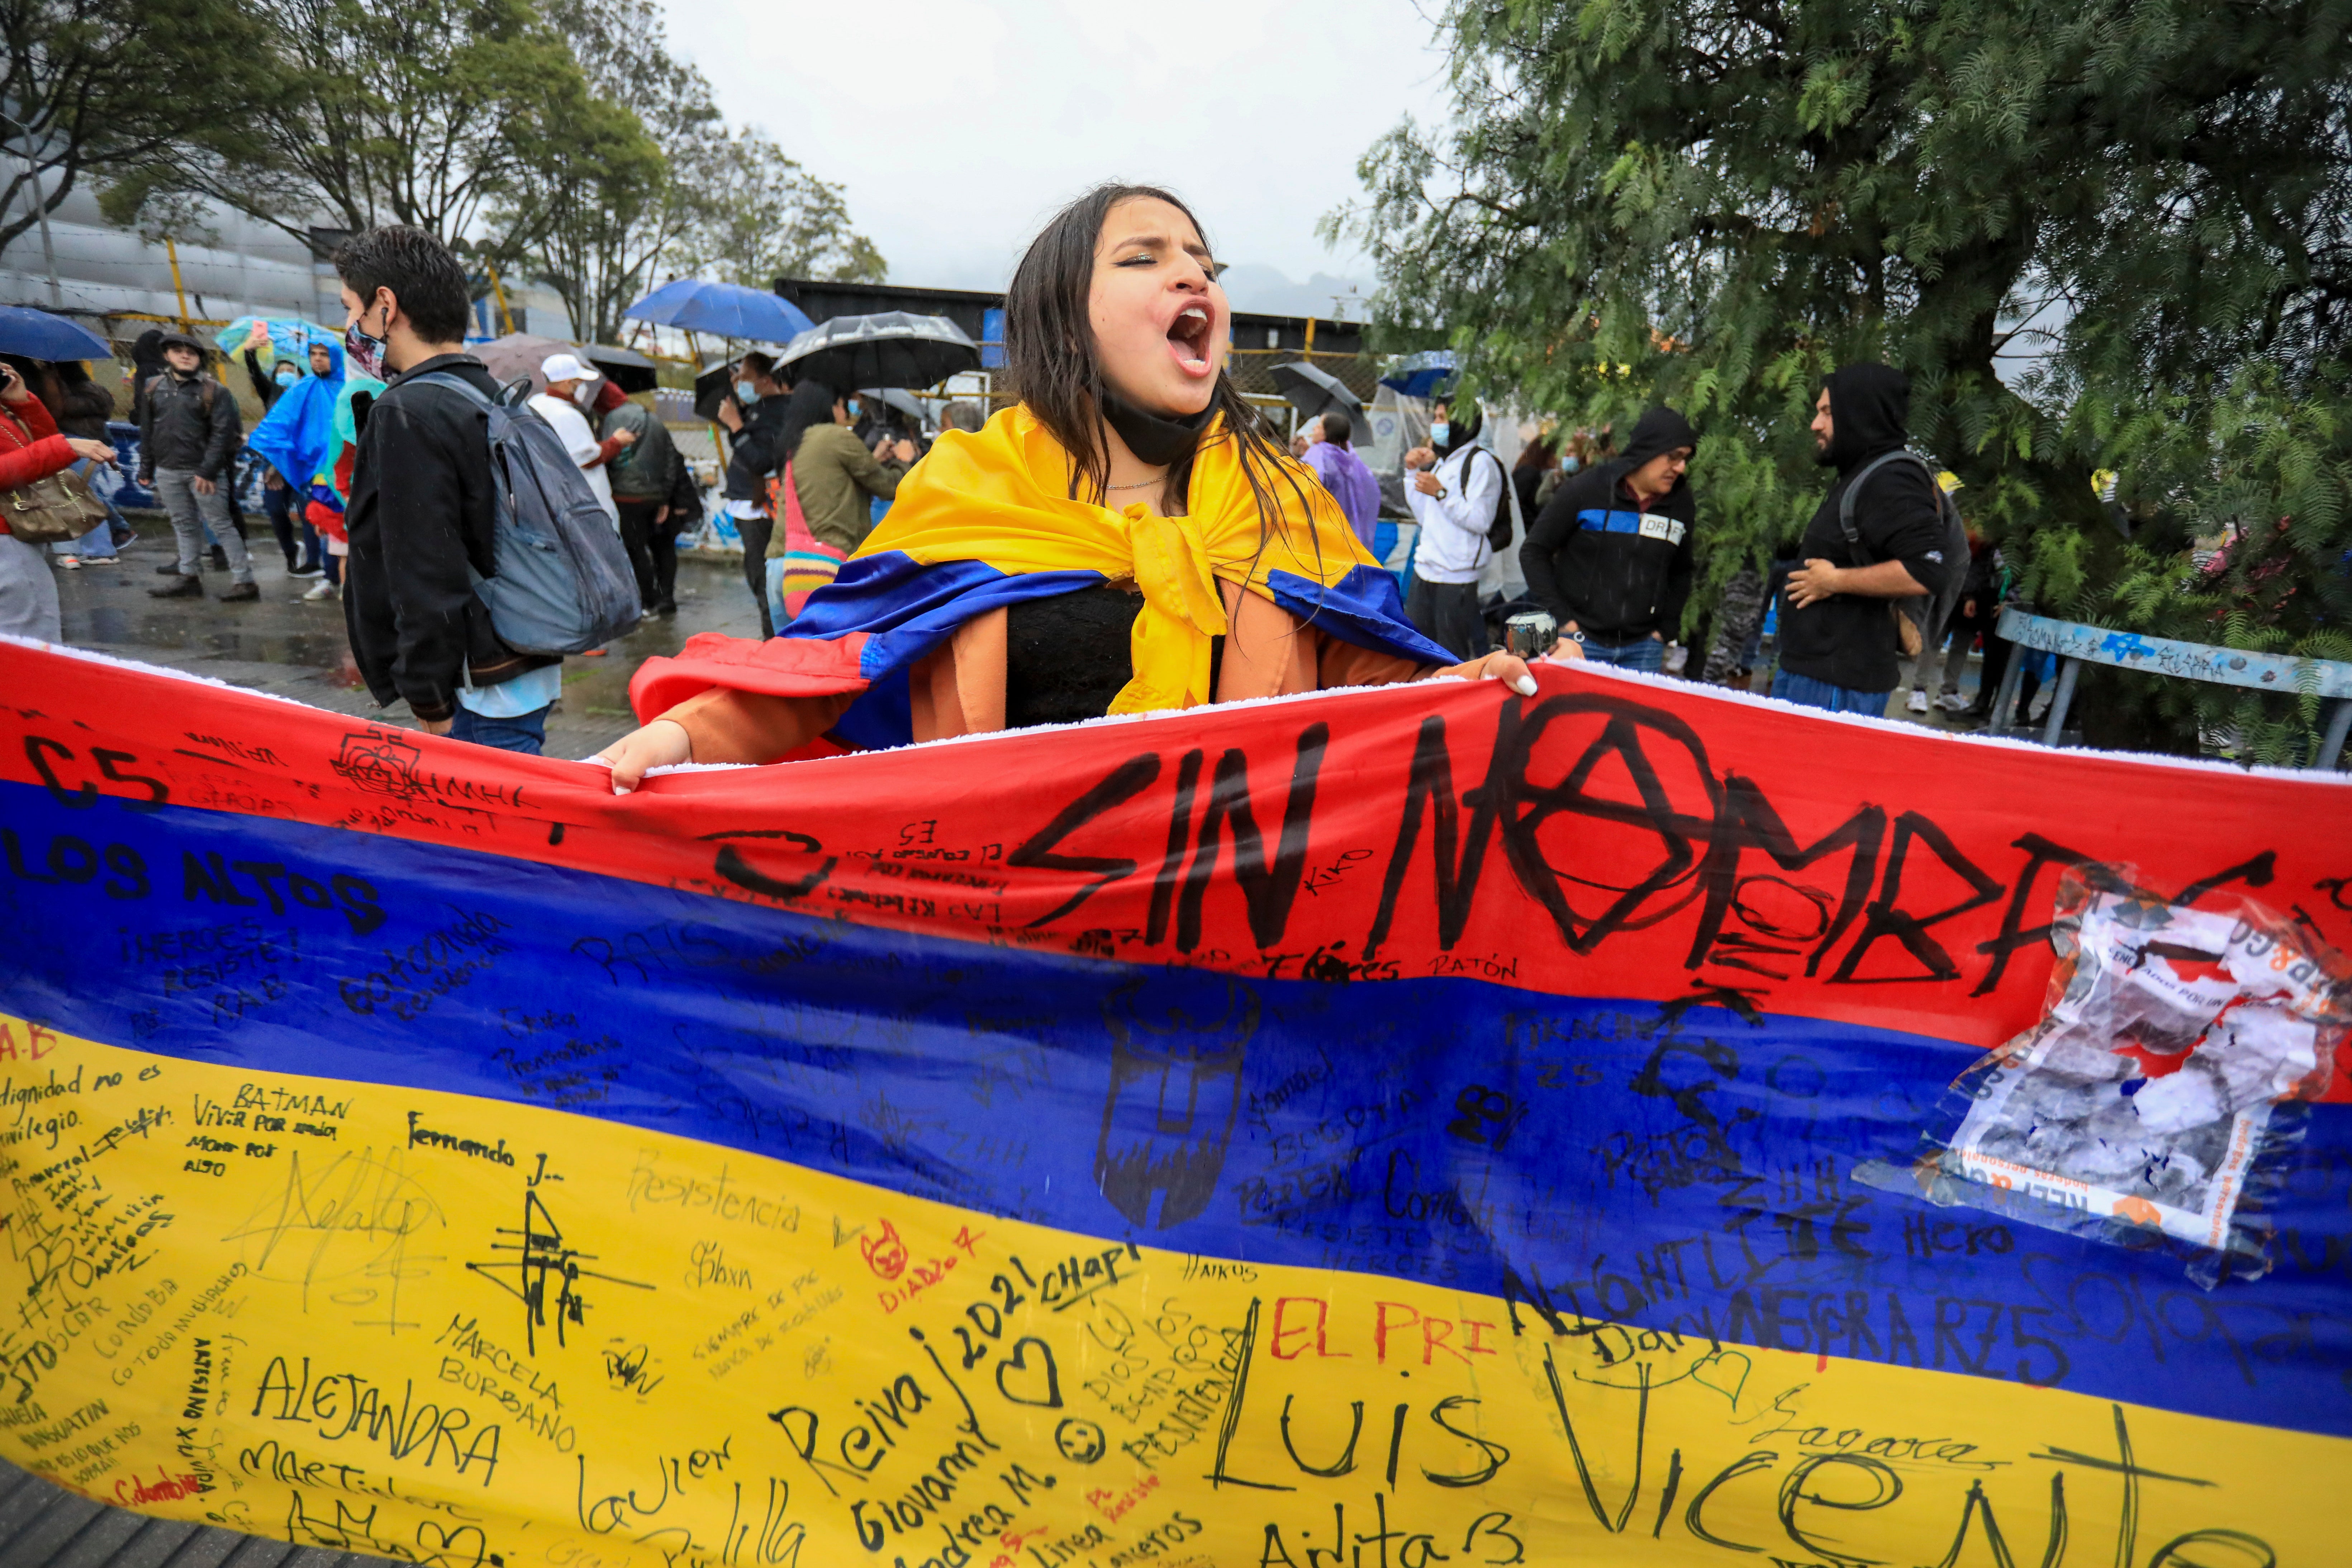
[(1140, 484)]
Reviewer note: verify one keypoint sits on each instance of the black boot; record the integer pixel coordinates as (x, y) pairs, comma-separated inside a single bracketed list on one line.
[(179, 588)]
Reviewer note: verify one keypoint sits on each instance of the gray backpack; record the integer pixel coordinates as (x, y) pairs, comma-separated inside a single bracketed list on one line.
[(1928, 615), (561, 579)]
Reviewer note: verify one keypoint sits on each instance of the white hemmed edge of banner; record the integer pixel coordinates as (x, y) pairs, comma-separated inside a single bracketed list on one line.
[(1657, 682)]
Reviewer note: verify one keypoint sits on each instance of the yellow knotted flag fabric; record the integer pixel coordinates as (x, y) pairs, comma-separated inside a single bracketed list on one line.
[(1000, 495)]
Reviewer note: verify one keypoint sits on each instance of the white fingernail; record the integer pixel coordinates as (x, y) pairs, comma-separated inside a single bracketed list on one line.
[(1524, 685)]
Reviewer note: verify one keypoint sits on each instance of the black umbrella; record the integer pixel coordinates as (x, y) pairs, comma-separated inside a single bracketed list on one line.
[(888, 349), (631, 371), (1314, 391)]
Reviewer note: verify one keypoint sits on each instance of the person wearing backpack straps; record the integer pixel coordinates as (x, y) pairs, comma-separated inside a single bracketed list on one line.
[(189, 432), (422, 517), (1457, 495), (1880, 537)]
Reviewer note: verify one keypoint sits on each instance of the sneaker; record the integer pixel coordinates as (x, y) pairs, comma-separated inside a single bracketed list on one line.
[(220, 557), (179, 588), (70, 563), (593, 653), (1918, 702), (321, 590), (306, 571), (666, 607), (1952, 702), (240, 593)]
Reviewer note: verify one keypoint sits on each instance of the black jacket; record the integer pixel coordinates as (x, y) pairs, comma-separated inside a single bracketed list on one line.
[(1619, 571), (191, 424), (1850, 639), (420, 513), (752, 455)]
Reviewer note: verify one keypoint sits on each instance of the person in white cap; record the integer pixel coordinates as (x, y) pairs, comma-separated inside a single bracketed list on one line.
[(567, 375)]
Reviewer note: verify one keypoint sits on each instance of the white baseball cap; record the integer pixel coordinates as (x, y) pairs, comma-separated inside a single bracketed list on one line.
[(568, 367)]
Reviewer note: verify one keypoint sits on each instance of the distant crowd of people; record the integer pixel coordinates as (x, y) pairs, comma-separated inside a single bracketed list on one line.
[(396, 516), (1607, 546)]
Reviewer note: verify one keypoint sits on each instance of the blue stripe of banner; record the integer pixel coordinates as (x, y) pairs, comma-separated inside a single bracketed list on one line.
[(1692, 1173)]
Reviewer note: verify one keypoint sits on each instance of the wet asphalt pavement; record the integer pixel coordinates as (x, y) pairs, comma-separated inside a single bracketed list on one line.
[(289, 648)]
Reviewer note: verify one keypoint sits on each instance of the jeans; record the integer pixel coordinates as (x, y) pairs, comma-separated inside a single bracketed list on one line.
[(777, 615), (29, 595), (98, 544), (1807, 692), (279, 504), (756, 533), (1649, 655), (525, 733), (191, 512)]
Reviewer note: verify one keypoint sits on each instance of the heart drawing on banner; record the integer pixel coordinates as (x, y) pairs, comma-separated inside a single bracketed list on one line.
[(1018, 1362)]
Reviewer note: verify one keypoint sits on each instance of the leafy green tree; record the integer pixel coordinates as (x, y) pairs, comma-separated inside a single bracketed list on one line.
[(98, 89), (375, 112), (598, 201), (2100, 234), (762, 217)]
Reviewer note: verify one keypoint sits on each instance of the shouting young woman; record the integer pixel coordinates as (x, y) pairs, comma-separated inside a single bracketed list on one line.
[(1130, 537)]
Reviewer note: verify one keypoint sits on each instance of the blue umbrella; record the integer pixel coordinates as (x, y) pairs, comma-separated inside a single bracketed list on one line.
[(1418, 375), (727, 310), (37, 334)]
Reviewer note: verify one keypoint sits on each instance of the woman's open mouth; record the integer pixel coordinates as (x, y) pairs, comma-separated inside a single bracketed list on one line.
[(1188, 339)]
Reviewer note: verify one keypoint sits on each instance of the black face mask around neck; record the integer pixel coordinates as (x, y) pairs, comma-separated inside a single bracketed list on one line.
[(1154, 437)]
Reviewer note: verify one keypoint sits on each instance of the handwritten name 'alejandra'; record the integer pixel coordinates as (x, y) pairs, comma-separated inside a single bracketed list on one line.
[(473, 1148)]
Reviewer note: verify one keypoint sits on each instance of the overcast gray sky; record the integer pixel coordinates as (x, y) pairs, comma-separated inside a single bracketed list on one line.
[(958, 125)]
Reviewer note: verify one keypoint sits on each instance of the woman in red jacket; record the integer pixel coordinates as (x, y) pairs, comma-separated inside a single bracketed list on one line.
[(31, 449)]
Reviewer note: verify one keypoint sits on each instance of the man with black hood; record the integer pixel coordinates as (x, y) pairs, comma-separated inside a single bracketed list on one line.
[(1612, 554), (1454, 495), (1839, 645)]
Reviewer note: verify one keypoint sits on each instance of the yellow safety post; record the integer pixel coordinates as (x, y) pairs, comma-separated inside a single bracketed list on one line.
[(499, 292), (172, 249)]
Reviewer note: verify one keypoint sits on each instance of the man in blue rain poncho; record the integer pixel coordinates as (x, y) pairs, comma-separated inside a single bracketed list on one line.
[(293, 436)]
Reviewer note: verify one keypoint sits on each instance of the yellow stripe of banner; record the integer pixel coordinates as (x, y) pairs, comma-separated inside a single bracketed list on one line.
[(462, 1332)]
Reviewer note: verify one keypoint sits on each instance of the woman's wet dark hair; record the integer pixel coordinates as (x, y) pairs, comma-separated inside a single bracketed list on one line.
[(811, 404), (1056, 368)]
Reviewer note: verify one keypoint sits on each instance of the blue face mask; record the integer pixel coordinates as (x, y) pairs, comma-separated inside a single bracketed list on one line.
[(853, 408), (1569, 465), (288, 375), (747, 392), (1439, 432)]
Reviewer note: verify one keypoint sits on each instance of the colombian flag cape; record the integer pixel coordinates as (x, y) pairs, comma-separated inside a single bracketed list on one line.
[(985, 520), (1405, 1128)]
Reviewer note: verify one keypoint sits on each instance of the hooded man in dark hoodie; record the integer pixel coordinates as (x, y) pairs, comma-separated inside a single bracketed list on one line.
[(1613, 552), (1839, 647)]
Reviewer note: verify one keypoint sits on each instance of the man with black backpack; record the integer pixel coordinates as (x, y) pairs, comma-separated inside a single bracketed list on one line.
[(1458, 495), (1881, 537), (189, 431), (422, 504)]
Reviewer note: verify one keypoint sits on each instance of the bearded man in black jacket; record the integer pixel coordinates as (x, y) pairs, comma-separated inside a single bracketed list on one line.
[(422, 507), (1613, 555), (1839, 645)]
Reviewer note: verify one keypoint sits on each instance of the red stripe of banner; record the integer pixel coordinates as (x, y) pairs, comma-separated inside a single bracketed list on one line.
[(1611, 836)]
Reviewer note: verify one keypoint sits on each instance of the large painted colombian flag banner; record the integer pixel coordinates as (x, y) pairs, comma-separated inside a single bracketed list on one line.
[(1375, 1130)]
